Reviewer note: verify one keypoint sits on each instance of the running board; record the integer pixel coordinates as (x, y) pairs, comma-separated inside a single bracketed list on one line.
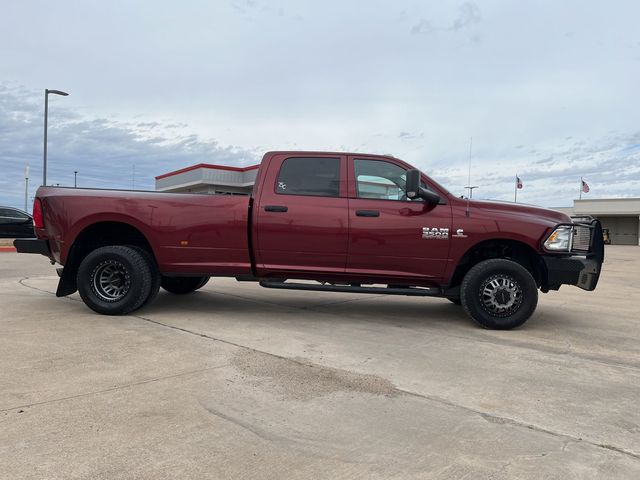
[(409, 291)]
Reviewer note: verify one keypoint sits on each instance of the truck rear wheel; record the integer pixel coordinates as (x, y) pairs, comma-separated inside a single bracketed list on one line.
[(499, 294), (114, 280), (155, 274), (183, 285)]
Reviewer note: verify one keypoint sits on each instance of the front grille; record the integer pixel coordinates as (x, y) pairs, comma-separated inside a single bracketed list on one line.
[(581, 238)]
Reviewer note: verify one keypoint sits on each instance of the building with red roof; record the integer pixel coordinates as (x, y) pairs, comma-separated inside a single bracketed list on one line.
[(210, 179)]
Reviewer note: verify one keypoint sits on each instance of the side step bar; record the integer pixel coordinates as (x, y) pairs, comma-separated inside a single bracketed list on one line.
[(409, 291)]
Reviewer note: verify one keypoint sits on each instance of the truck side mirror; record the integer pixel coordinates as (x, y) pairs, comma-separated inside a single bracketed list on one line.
[(414, 190), (413, 184)]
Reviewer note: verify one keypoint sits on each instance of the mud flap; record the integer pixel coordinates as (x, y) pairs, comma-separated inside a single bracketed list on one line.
[(67, 284)]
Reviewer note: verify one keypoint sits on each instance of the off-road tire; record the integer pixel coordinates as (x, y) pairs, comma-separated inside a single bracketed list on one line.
[(182, 285), (492, 285), (131, 266)]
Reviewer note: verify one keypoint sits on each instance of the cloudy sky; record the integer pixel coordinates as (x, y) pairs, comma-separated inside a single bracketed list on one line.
[(547, 89)]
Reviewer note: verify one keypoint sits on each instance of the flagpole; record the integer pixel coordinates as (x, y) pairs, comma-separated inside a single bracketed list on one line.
[(580, 198), (515, 190)]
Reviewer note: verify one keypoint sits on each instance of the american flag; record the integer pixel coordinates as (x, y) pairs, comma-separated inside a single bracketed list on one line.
[(518, 182), (585, 186)]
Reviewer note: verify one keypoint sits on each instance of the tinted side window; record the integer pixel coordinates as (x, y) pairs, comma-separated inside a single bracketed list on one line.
[(309, 176), (9, 213)]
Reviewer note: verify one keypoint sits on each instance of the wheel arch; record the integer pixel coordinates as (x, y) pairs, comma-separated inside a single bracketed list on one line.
[(95, 235), (507, 248)]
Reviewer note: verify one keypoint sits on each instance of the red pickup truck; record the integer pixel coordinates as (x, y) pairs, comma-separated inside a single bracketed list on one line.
[(322, 221)]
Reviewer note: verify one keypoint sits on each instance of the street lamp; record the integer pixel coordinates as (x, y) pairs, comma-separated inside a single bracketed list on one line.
[(46, 115), (75, 179), (471, 190), (26, 188)]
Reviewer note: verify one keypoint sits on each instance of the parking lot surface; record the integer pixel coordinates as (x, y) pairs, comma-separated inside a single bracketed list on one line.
[(236, 381)]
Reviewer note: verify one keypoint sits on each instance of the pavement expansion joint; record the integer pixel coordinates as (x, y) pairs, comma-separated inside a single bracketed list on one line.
[(114, 388), (516, 423)]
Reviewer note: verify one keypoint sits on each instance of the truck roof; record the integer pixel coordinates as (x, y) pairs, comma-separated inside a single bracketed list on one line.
[(316, 152)]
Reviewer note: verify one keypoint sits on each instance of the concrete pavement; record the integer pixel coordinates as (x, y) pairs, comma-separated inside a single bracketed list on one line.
[(236, 381)]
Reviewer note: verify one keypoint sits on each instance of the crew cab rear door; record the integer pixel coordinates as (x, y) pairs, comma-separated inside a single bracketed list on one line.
[(391, 236), (302, 215)]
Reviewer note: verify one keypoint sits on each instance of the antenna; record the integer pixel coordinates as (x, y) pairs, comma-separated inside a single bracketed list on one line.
[(470, 149)]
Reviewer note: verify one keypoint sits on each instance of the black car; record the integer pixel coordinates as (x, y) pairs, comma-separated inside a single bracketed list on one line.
[(15, 223)]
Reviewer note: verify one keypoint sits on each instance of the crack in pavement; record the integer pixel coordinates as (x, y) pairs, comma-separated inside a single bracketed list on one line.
[(491, 418), (22, 280), (114, 388), (291, 442), (258, 432)]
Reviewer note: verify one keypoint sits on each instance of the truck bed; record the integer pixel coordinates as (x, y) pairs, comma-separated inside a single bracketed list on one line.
[(187, 232)]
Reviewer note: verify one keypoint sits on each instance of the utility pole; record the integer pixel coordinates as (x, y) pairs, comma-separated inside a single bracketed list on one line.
[(75, 179), (133, 177)]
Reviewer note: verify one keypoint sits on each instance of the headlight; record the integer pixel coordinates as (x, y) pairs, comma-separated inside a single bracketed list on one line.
[(560, 239)]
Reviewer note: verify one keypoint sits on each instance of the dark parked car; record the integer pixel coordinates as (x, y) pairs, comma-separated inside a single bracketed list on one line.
[(15, 223)]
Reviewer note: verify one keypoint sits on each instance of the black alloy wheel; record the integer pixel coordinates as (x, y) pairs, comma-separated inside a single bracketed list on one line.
[(499, 294), (115, 280)]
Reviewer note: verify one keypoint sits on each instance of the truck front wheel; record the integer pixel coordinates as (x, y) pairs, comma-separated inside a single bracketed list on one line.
[(114, 280), (499, 294), (182, 285)]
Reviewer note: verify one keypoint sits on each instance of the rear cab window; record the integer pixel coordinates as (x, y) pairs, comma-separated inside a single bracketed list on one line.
[(310, 176)]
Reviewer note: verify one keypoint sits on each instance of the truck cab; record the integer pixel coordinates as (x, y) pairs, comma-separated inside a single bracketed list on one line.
[(348, 216)]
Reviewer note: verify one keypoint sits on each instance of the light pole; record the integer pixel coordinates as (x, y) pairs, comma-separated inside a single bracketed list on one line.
[(46, 115), (75, 179), (26, 188)]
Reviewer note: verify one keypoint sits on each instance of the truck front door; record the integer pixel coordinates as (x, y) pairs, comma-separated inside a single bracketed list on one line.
[(391, 236), (302, 215)]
